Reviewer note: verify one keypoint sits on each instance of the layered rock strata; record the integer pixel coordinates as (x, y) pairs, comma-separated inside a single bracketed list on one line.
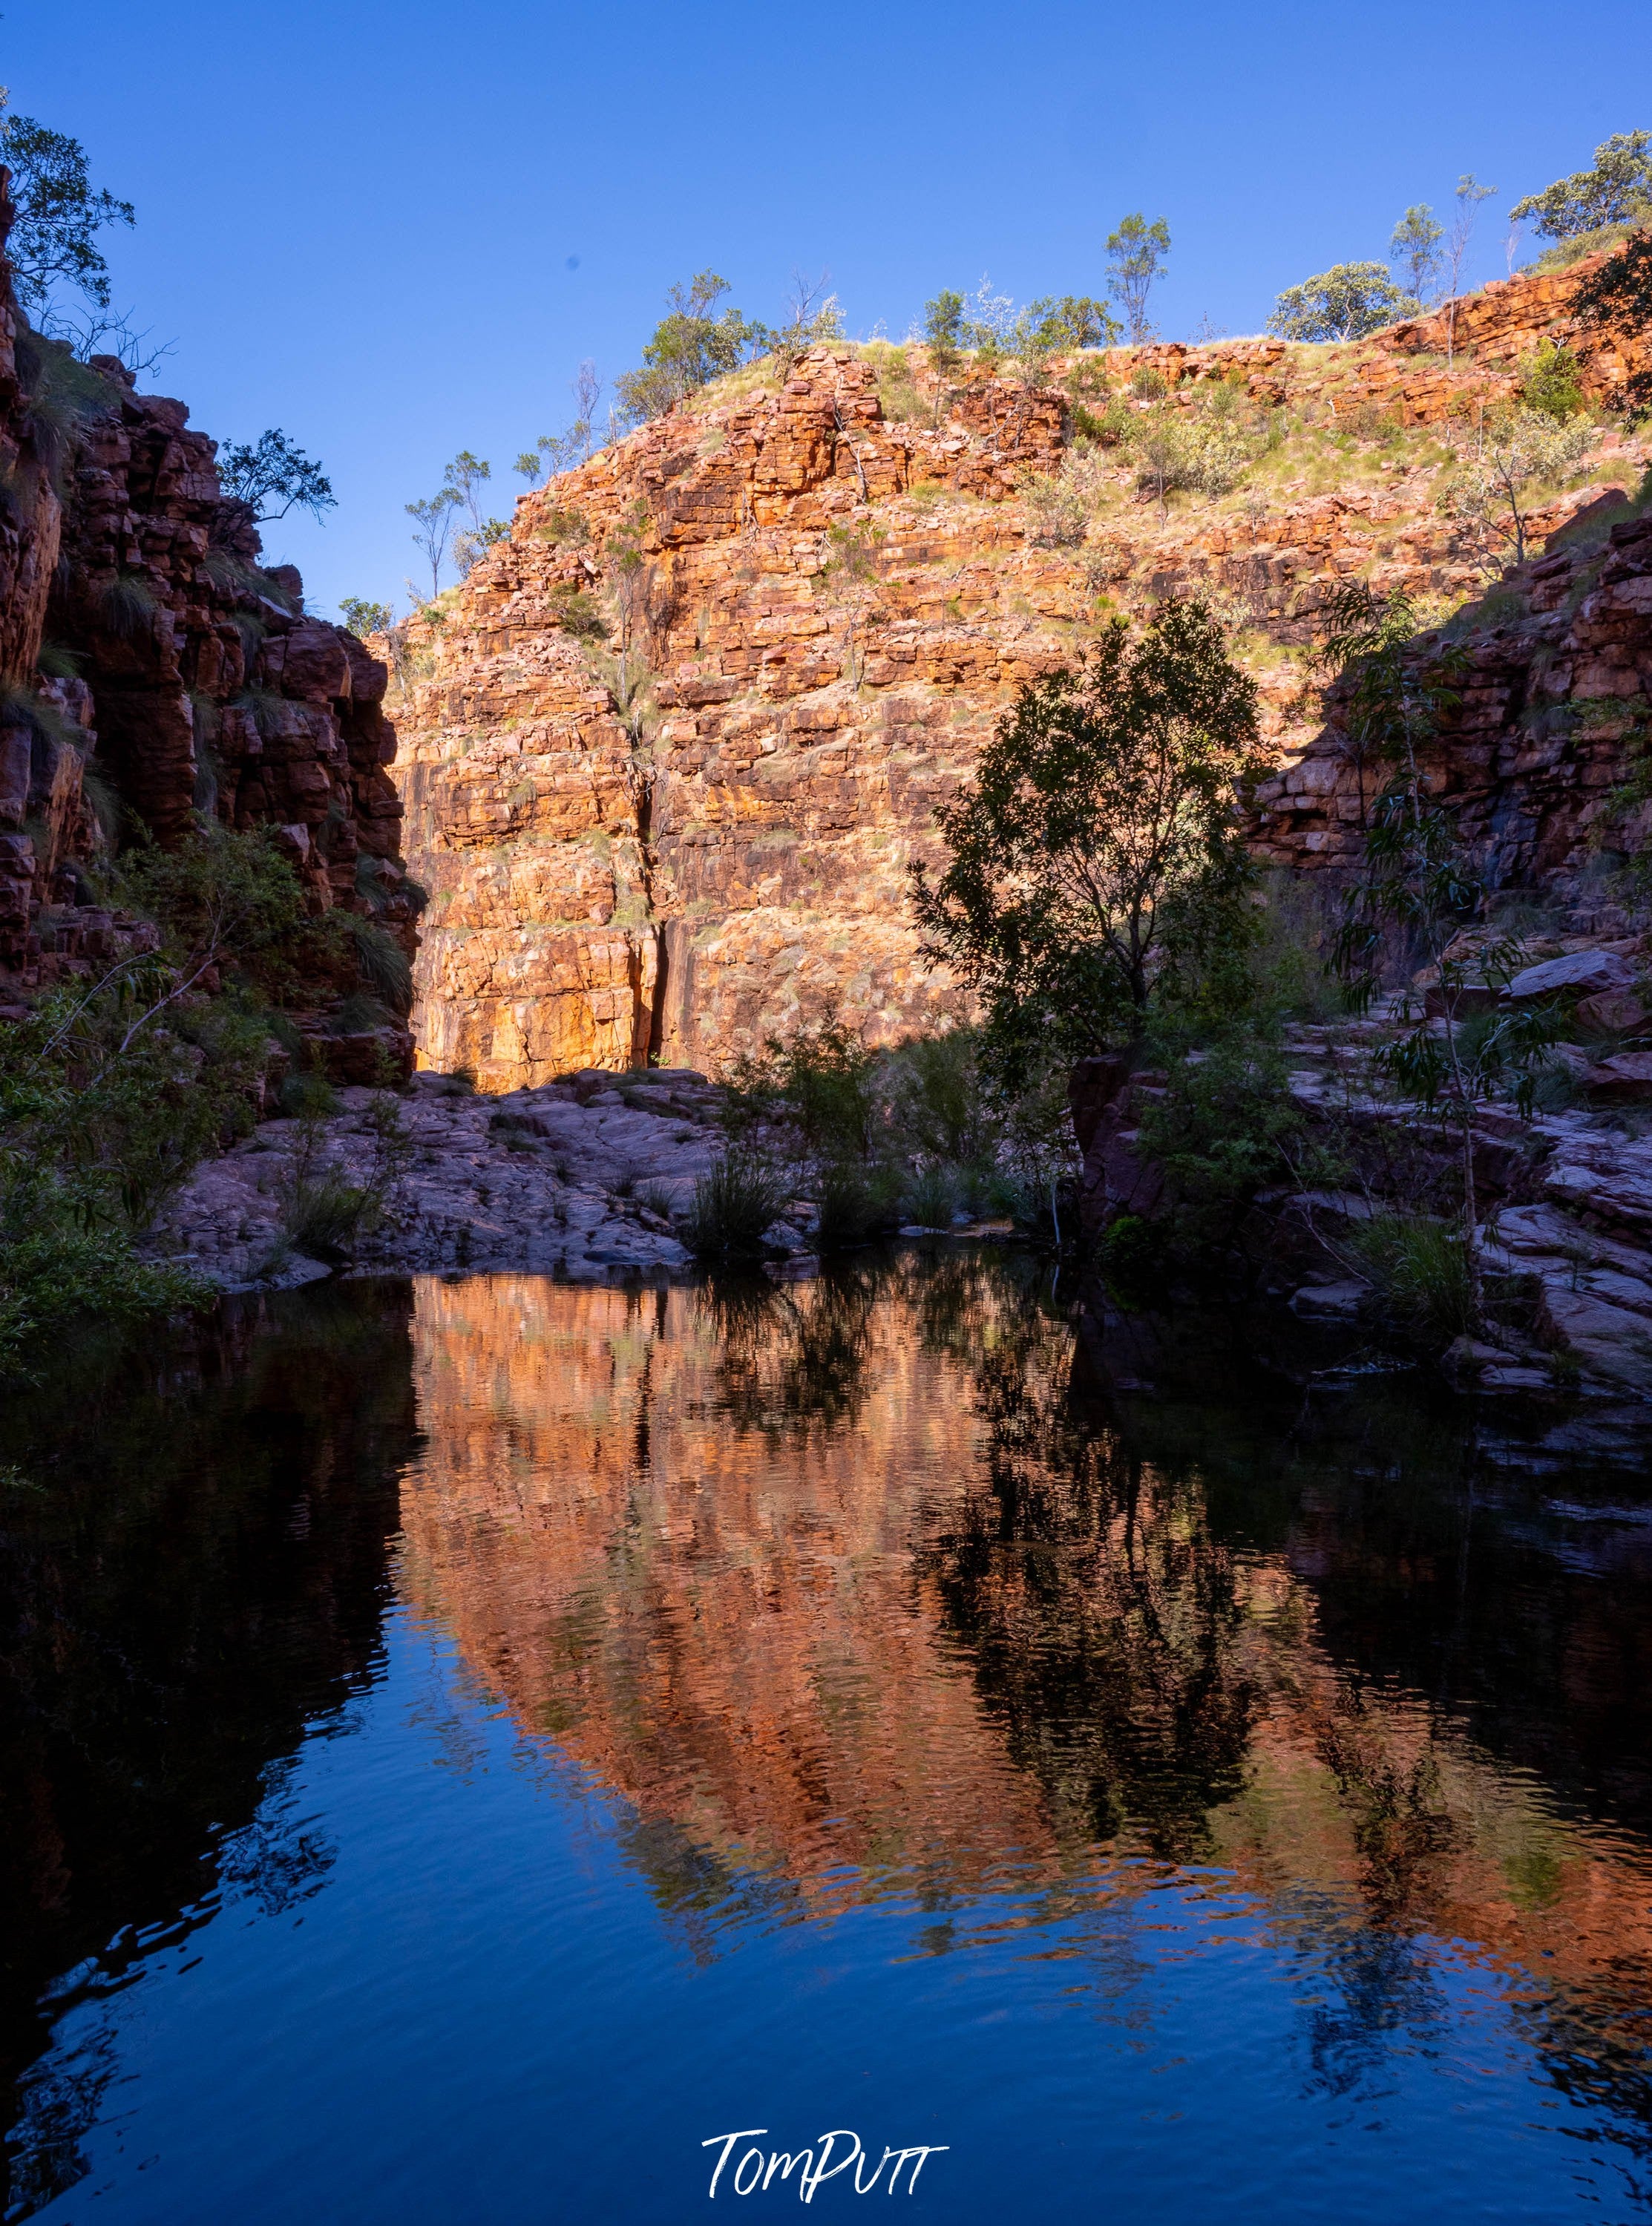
[(202, 685), (814, 612), (1534, 758)]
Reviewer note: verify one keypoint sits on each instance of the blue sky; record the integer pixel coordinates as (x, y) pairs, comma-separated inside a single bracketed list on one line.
[(394, 231)]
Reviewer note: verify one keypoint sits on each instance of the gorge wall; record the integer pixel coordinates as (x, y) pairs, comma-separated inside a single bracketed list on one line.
[(819, 592), (198, 682)]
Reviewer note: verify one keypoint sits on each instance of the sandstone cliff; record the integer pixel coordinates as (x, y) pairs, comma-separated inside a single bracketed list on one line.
[(1553, 714), (198, 682), (819, 592)]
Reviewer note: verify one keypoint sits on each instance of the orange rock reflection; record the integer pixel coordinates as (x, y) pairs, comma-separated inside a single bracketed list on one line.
[(840, 1585)]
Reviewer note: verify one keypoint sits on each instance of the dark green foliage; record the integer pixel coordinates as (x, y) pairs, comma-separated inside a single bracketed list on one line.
[(856, 1202), (324, 1215), (272, 472), (60, 214), (321, 1216), (1424, 1282), (21, 707), (1387, 696), (1617, 190), (362, 617), (945, 326), (1617, 298), (1418, 879), (384, 965), (931, 1197), (108, 1097), (127, 606), (691, 347), (1131, 1255), (62, 397), (568, 528), (307, 1096), (578, 613), (1549, 381), (1220, 1131), (937, 1098), (379, 884), (234, 576), (823, 1078), (733, 1204), (56, 663), (223, 899), (1098, 857), (1070, 322)]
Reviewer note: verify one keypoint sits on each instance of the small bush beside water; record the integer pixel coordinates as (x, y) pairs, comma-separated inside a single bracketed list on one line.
[(733, 1204)]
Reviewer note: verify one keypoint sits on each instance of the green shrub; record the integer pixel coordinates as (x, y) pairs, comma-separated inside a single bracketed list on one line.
[(385, 969), (127, 606), (733, 1204), (1131, 1257), (1421, 1275), (323, 1216), (577, 613), (306, 1098), (1220, 1131), (822, 1078), (55, 661), (932, 1195), (1550, 381), (856, 1202), (937, 1098)]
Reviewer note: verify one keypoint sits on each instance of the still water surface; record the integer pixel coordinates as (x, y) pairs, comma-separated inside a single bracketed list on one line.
[(467, 1744)]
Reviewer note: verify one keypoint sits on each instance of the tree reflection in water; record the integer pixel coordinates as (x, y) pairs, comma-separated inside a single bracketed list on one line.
[(882, 1588), (869, 1586)]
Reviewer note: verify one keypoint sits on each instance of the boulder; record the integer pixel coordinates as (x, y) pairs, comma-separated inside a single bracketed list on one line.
[(1620, 1011), (1329, 1302), (1625, 1080), (1587, 970)]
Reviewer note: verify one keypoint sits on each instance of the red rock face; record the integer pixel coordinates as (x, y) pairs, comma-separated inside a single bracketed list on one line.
[(827, 613), (204, 686), (1552, 716)]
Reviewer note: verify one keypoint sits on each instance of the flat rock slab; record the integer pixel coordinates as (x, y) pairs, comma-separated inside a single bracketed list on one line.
[(576, 1181), (1579, 969)]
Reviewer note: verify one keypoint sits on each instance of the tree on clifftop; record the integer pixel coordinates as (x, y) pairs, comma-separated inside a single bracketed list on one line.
[(59, 213), (1138, 251), (1414, 248), (274, 470), (1617, 190), (1098, 856), (1343, 304), (691, 347)]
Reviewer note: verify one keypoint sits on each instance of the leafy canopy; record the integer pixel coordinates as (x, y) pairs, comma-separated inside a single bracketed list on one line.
[(1097, 860), (274, 471), (1617, 190), (363, 616), (691, 347), (1138, 251), (1343, 304), (59, 213), (1414, 248)]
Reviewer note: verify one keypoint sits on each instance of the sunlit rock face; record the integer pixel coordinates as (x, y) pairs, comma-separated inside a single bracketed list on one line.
[(819, 594), (849, 1590)]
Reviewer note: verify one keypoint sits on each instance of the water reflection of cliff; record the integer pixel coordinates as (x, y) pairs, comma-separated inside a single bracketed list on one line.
[(854, 1588), (192, 1565)]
